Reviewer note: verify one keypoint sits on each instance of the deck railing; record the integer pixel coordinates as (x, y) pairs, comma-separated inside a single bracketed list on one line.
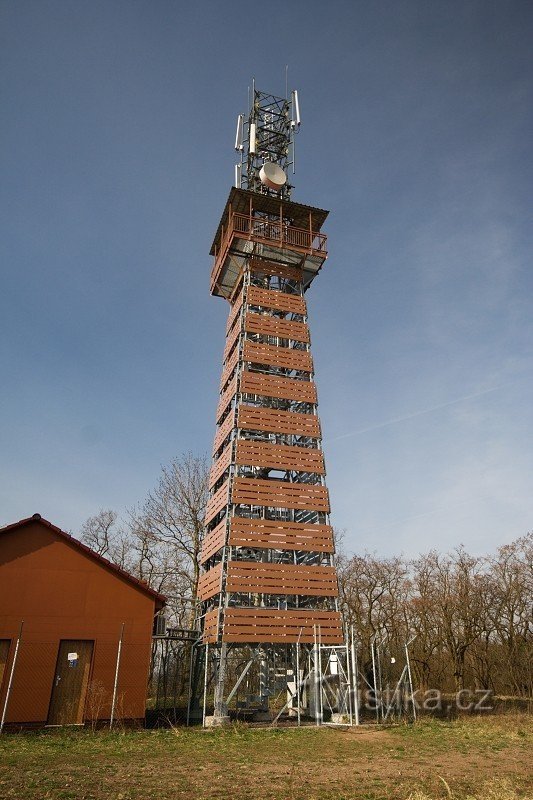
[(275, 232)]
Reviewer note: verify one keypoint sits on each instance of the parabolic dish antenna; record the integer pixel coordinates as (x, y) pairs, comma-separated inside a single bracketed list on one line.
[(272, 175)]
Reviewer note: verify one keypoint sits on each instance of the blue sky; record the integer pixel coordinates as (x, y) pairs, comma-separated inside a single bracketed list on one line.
[(117, 128)]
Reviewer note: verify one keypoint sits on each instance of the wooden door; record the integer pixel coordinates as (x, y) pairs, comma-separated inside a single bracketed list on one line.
[(4, 655), (71, 678)]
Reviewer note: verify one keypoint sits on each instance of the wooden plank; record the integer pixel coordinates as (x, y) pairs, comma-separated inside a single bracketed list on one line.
[(213, 542), (234, 312), (260, 267), (288, 357), (271, 420), (210, 631), (231, 341), (226, 397), (223, 431), (236, 636), (268, 325), (281, 457), (227, 372), (270, 298), (289, 579), (272, 386), (216, 503), (280, 494), (288, 616), (272, 625), (209, 583), (264, 533), (220, 466), (283, 571)]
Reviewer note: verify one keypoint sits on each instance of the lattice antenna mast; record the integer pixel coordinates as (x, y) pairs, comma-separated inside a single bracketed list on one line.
[(265, 141)]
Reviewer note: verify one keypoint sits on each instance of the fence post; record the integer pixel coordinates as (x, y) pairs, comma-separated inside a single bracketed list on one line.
[(117, 667), (9, 685), (413, 701)]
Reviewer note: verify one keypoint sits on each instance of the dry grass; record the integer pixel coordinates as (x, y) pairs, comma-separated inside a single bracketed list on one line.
[(501, 789), (475, 759)]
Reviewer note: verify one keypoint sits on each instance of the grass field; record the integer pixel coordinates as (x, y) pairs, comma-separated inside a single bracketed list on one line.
[(485, 759)]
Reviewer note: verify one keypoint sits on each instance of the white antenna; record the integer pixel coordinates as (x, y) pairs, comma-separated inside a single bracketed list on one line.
[(238, 171), (296, 109), (251, 146), (238, 135)]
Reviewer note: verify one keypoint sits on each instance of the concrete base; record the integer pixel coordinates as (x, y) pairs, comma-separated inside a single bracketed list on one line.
[(216, 722), (339, 719)]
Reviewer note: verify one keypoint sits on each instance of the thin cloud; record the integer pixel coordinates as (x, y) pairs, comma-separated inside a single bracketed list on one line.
[(416, 414)]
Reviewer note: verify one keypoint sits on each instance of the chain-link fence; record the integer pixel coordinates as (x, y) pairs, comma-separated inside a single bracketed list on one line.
[(170, 678), (73, 681)]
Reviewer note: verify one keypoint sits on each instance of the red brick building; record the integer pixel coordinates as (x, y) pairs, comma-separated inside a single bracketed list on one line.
[(74, 607)]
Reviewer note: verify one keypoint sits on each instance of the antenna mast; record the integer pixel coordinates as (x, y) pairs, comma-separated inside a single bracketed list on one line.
[(266, 137)]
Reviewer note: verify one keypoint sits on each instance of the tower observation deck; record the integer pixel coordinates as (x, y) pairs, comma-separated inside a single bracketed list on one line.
[(268, 587)]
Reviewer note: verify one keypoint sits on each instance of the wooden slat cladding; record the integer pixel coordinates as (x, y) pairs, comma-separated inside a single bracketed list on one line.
[(271, 420), (213, 541), (274, 356), (272, 386), (226, 397), (209, 583), (231, 341), (276, 627), (210, 633), (276, 456), (259, 267), (272, 326), (228, 369), (280, 494), (234, 313), (269, 298), (264, 578), (220, 465), (216, 503), (223, 431), (270, 534)]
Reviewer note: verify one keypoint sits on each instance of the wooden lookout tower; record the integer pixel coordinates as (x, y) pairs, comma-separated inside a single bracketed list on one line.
[(268, 587)]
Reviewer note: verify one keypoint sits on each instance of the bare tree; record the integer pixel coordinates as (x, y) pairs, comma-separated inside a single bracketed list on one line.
[(511, 612), (161, 541), (102, 535), (173, 513), (96, 532)]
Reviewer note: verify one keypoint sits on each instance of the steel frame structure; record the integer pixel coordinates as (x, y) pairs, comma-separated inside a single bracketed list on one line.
[(268, 586), (266, 134)]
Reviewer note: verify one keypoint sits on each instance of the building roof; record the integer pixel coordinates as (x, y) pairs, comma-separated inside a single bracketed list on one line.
[(136, 582)]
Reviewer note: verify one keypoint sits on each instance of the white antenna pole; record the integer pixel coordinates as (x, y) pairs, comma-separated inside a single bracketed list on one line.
[(238, 134), (251, 146), (115, 683), (296, 108), (9, 685)]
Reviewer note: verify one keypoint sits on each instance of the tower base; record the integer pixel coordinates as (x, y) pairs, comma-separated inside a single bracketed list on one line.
[(263, 683), (216, 721)]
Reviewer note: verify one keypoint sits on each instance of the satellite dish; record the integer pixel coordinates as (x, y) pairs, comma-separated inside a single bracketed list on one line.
[(272, 175)]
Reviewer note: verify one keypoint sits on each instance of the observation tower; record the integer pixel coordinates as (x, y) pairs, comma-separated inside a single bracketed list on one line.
[(268, 587)]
